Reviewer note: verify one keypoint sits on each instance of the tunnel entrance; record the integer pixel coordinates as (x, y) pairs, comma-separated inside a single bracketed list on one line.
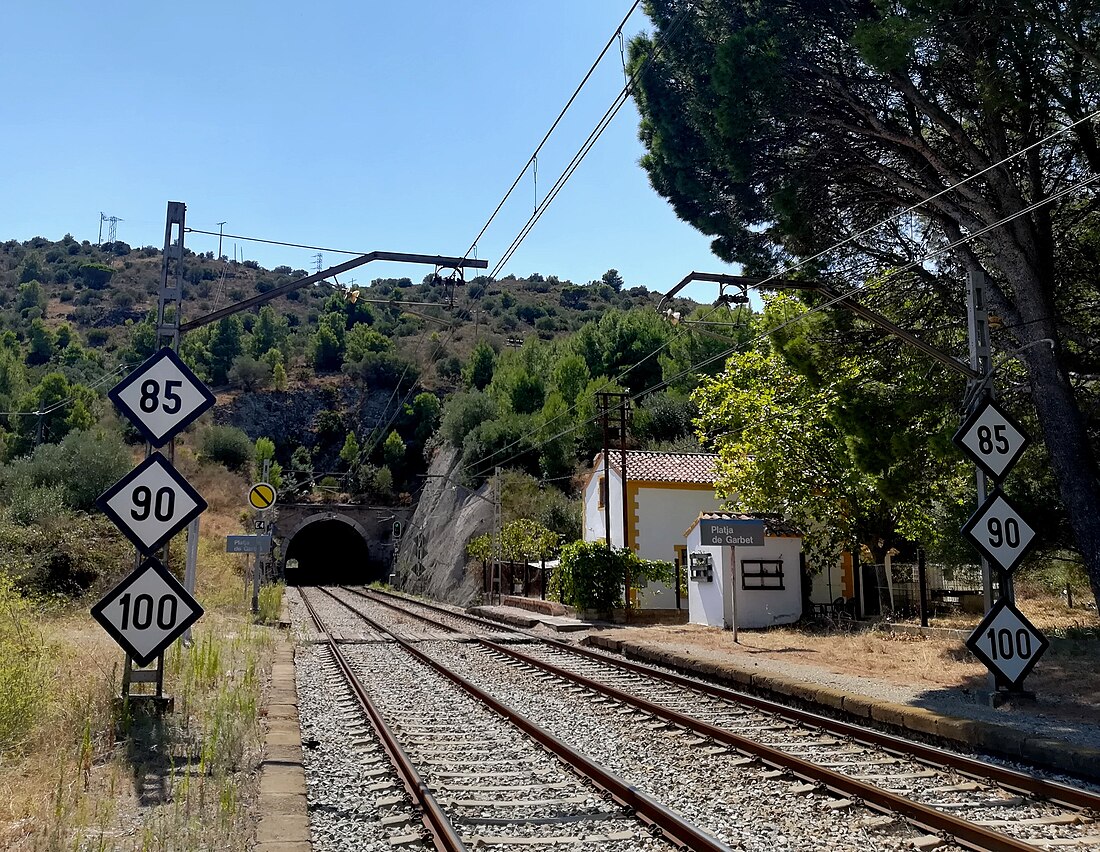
[(330, 551)]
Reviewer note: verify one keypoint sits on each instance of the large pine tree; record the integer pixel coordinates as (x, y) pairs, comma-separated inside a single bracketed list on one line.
[(781, 129)]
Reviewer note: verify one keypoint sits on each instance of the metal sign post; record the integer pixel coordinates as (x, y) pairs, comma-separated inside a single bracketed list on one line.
[(150, 608), (1005, 641)]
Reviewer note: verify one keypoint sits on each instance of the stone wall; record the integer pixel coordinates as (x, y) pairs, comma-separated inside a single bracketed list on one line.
[(431, 559)]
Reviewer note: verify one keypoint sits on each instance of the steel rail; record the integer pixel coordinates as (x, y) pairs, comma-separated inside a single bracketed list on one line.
[(649, 811), (1020, 782), (1060, 794), (444, 837), (969, 834)]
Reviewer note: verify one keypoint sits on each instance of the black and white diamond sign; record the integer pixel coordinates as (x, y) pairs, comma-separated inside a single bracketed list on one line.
[(1000, 532), (151, 503), (147, 611), (162, 397), (1007, 643), (992, 439)]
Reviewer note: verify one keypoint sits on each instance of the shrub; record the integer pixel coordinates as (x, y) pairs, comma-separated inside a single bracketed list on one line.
[(463, 413), (227, 445), (78, 469), (23, 680), (270, 602), (96, 275), (590, 576), (35, 505)]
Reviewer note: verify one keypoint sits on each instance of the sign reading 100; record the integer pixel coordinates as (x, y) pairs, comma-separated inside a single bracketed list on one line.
[(167, 608)]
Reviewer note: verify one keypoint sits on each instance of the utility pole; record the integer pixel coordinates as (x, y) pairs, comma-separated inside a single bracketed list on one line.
[(620, 401), (221, 225), (496, 579), (605, 486), (977, 315), (169, 297), (623, 403), (112, 231), (318, 261)]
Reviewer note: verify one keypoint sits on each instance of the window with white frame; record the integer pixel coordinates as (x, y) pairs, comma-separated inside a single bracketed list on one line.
[(759, 574)]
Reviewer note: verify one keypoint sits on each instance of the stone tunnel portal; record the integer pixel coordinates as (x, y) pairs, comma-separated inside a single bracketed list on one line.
[(327, 550)]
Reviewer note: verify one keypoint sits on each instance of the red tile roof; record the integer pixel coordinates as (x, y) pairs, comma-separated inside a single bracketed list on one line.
[(648, 466)]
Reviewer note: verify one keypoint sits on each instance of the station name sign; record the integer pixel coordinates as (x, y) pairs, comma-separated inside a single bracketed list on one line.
[(734, 533)]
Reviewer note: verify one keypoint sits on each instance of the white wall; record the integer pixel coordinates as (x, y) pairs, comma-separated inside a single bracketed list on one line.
[(662, 514), (660, 517), (712, 604), (765, 607), (594, 528), (821, 592), (705, 600)]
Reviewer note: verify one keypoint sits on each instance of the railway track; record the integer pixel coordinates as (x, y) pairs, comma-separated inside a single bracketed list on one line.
[(465, 771), (978, 804)]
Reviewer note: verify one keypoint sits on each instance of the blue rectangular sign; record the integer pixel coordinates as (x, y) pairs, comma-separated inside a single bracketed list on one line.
[(733, 533), (247, 543)]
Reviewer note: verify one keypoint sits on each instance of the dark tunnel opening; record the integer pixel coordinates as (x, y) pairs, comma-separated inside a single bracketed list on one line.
[(330, 552)]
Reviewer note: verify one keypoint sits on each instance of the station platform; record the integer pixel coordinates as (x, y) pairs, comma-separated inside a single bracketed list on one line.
[(1040, 734)]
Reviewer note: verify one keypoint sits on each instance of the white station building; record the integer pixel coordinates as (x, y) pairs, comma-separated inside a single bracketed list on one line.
[(664, 493), (744, 571)]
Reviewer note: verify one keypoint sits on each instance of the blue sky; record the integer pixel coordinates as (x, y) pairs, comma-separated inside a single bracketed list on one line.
[(392, 126)]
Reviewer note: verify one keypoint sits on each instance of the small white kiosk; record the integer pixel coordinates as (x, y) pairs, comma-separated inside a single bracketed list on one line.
[(744, 571)]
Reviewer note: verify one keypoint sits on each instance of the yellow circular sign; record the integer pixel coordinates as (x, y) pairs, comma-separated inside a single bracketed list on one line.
[(262, 496)]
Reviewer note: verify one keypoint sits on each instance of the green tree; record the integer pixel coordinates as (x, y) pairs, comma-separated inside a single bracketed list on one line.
[(363, 339), (393, 451), (383, 482), (787, 446), (41, 343), (249, 374), (425, 412), (31, 296), (782, 129), (31, 269), (349, 453), (278, 378), (612, 279), (327, 353), (268, 333), (570, 376), (478, 371), (463, 413), (226, 343), (96, 276), (228, 446), (81, 468), (264, 451)]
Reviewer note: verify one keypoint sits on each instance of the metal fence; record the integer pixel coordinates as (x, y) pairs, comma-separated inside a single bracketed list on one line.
[(948, 588)]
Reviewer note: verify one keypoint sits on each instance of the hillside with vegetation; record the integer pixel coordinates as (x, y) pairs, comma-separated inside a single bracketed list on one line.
[(343, 389)]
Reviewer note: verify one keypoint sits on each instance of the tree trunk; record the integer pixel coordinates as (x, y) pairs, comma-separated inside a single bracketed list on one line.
[(1071, 456)]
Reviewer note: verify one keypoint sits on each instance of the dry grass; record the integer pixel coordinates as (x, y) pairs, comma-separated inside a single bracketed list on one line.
[(1067, 678), (81, 779)]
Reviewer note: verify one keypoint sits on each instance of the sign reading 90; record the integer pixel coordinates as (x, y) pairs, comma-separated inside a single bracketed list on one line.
[(151, 504)]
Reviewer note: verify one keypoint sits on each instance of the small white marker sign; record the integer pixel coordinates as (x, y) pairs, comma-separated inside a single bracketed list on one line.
[(147, 611), (1000, 532), (992, 439), (1007, 643), (162, 397), (151, 503)]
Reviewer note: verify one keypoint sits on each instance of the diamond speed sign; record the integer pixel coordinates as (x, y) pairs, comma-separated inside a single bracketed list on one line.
[(992, 439), (1000, 532), (151, 503), (162, 397), (1007, 642), (147, 611)]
